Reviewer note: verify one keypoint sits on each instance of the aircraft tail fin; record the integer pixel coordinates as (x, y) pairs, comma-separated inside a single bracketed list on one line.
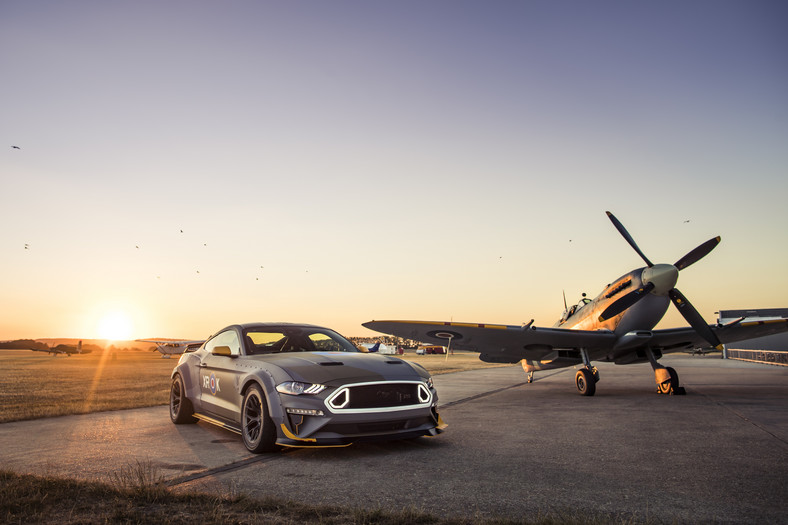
[(375, 348)]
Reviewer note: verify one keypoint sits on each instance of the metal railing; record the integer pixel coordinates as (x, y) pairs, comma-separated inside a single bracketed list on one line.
[(771, 357)]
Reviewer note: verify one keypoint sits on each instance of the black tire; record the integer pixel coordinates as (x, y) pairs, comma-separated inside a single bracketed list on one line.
[(257, 428), (674, 377), (181, 410), (584, 380)]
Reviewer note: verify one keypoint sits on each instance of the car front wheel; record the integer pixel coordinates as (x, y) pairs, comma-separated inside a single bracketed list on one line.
[(181, 410), (257, 428)]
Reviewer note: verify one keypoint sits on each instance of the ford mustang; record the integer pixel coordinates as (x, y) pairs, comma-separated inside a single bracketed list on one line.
[(282, 384)]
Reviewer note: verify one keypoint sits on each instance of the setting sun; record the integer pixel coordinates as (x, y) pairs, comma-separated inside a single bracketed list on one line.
[(115, 326)]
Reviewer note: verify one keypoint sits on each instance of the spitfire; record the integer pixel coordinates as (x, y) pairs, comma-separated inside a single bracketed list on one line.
[(617, 326)]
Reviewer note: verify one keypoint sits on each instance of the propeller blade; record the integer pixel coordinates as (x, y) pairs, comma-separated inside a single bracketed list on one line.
[(697, 254), (694, 318), (625, 302), (624, 233)]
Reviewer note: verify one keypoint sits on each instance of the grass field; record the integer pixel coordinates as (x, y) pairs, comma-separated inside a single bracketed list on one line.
[(137, 496), (34, 384)]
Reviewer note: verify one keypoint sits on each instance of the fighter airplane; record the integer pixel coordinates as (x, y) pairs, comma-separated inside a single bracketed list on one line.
[(169, 347), (616, 326), (63, 349)]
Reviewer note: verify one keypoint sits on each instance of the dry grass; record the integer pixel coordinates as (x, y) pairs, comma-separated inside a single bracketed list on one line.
[(140, 496), (457, 362), (35, 385)]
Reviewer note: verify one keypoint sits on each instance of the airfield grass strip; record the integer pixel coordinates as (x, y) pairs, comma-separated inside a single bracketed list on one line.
[(34, 385), (136, 497)]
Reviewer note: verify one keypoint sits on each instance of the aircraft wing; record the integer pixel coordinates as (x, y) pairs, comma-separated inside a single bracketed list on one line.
[(678, 339), (509, 344), (173, 342), (498, 343)]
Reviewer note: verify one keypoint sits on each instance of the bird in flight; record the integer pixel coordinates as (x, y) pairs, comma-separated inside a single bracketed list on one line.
[(16, 147)]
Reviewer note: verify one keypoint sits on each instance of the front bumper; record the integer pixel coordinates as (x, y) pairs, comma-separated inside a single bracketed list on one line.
[(334, 431), (339, 417)]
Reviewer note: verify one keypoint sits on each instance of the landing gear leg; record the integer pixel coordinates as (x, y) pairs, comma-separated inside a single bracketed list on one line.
[(666, 377), (528, 367), (587, 377)]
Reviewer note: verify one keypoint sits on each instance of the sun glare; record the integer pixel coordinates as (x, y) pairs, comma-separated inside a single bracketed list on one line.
[(115, 326)]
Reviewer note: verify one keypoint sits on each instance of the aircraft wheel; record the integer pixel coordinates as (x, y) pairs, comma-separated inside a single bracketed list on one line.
[(257, 428), (674, 377), (671, 386), (584, 380), (181, 410), (678, 390)]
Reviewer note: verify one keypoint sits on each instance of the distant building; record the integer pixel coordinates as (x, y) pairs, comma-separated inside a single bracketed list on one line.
[(772, 349)]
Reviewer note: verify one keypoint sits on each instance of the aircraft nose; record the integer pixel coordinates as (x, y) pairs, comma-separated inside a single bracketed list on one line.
[(662, 276)]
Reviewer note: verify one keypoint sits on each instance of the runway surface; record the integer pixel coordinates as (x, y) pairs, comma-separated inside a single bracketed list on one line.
[(718, 454)]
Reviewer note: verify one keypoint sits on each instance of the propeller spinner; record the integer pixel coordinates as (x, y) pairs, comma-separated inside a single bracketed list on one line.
[(661, 279)]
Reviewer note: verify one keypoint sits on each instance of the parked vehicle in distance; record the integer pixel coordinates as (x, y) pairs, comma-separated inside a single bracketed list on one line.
[(301, 385), (430, 349)]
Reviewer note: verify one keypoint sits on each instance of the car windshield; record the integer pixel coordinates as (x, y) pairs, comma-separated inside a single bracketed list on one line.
[(295, 339)]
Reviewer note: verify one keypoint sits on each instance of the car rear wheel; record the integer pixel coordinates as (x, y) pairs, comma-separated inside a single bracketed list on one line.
[(181, 410), (257, 428)]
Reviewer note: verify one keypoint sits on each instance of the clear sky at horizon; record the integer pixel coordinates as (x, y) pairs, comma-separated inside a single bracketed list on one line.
[(190, 165)]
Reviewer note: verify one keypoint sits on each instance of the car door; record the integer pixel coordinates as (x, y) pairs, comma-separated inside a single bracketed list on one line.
[(218, 374)]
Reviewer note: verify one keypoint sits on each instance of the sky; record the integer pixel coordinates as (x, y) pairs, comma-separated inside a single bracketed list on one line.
[(185, 165)]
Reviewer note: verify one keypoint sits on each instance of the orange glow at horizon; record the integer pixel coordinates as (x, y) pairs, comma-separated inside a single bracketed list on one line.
[(115, 326)]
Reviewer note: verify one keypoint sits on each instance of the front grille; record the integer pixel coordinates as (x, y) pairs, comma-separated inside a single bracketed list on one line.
[(384, 395), (379, 396)]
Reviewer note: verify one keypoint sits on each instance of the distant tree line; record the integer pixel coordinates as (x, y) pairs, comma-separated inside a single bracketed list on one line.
[(24, 344)]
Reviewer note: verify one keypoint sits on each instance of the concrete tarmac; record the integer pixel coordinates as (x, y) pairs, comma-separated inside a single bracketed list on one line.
[(516, 450)]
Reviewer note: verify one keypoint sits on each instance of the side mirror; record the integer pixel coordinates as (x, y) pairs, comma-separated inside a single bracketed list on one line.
[(222, 350)]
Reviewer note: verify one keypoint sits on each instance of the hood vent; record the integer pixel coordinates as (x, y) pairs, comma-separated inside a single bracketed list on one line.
[(332, 363), (393, 362)]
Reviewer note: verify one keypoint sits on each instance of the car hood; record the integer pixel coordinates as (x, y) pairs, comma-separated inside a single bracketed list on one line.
[(335, 368)]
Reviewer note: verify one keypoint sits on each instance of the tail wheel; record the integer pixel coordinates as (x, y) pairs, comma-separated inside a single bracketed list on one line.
[(585, 382), (181, 410), (257, 428)]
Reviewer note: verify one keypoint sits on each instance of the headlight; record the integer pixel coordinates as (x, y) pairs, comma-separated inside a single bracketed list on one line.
[(296, 388)]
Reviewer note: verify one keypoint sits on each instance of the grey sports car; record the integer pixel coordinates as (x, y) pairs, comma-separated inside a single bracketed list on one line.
[(301, 385)]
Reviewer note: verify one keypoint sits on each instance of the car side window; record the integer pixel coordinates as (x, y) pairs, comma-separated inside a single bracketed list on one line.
[(228, 338)]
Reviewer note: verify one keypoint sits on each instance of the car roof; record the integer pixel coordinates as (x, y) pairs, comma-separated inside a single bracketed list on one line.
[(247, 326), (251, 326)]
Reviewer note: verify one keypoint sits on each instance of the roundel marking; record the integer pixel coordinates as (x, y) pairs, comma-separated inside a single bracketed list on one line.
[(444, 334)]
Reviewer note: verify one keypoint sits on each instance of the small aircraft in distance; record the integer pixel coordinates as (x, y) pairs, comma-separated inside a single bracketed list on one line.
[(702, 351), (372, 348), (378, 347), (63, 349), (169, 347), (617, 326)]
